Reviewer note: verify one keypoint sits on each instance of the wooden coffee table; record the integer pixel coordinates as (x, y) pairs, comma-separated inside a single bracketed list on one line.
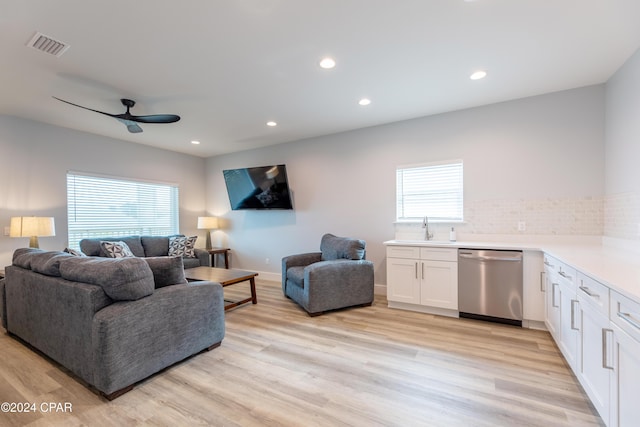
[(225, 277)]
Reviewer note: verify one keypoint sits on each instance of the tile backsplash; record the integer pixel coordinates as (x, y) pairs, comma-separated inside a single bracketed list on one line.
[(563, 216), (622, 216)]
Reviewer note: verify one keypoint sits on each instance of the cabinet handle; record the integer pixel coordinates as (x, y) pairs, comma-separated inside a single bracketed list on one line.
[(573, 315), (588, 292), (565, 275), (630, 320), (542, 281), (548, 264), (422, 265), (416, 269), (553, 294), (605, 361)]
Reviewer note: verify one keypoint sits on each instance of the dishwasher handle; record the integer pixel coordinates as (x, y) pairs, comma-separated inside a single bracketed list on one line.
[(489, 258)]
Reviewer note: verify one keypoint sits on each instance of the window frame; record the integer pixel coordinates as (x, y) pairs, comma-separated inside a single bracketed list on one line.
[(456, 170), (157, 195)]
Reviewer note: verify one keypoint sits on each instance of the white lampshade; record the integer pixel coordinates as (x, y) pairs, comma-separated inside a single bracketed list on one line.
[(33, 227), (207, 222)]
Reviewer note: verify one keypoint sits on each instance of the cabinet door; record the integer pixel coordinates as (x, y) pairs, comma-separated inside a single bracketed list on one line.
[(533, 286), (552, 306), (569, 325), (595, 340), (403, 283), (625, 384), (439, 287)]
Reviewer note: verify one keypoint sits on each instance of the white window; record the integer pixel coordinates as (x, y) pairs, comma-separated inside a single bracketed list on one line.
[(106, 206), (433, 190)]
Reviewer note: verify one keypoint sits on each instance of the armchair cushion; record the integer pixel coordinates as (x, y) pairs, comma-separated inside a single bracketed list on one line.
[(333, 247)]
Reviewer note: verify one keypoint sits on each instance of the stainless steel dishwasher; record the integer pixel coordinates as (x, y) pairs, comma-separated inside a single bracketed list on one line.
[(490, 285)]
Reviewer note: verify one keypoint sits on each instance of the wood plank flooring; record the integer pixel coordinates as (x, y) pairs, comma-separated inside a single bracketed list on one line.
[(370, 366)]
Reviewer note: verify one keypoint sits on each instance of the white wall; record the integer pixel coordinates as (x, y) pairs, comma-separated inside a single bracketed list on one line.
[(622, 212), (546, 149), (35, 158)]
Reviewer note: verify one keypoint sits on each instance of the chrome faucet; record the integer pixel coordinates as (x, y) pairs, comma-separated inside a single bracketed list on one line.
[(425, 225)]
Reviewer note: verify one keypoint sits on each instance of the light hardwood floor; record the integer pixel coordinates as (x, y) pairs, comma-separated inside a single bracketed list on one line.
[(368, 366)]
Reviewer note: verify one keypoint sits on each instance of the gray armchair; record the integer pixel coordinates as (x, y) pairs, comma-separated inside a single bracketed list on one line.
[(337, 277)]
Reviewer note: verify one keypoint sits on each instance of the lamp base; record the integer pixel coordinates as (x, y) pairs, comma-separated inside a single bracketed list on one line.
[(208, 240), (33, 242)]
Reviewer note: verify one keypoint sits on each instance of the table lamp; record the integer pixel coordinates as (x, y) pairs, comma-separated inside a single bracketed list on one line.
[(208, 223), (32, 227)]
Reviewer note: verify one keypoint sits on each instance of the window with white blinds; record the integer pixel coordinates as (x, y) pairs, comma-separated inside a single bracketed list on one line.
[(105, 206), (433, 190)]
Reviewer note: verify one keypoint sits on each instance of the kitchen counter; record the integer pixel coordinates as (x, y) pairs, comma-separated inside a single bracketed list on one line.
[(614, 267)]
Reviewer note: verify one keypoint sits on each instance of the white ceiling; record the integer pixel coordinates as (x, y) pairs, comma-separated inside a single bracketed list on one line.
[(228, 67)]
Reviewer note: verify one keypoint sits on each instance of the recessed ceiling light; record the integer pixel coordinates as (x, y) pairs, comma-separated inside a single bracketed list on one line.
[(480, 74), (364, 101), (272, 124), (195, 142), (327, 63)]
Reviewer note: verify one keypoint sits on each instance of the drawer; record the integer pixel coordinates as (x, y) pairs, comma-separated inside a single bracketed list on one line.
[(593, 293), (439, 254), (403, 252), (625, 313)]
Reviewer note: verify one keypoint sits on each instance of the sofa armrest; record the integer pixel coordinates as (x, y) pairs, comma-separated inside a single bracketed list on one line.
[(135, 339), (338, 283), (298, 260), (203, 256)]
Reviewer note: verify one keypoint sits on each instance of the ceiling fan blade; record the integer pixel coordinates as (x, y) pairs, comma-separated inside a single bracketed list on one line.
[(131, 126), (153, 118), (86, 108)]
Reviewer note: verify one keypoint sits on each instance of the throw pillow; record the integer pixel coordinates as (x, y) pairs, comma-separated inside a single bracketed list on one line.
[(73, 252), (116, 249), (182, 246)]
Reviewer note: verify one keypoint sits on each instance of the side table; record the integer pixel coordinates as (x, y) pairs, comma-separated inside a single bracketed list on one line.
[(216, 251)]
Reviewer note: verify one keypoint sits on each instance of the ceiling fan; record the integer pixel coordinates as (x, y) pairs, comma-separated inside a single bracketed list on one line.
[(129, 119)]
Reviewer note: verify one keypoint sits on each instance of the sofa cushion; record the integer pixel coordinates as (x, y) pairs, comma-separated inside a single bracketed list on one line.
[(22, 257), (155, 245), (48, 263), (116, 249), (92, 247), (166, 270), (122, 279), (182, 246), (333, 247)]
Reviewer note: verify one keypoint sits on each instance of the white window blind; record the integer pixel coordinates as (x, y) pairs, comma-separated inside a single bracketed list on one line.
[(103, 206), (433, 190)]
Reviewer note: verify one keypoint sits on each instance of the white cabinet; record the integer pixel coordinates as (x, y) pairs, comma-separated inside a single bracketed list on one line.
[(595, 356), (439, 278), (420, 278), (625, 362), (561, 308)]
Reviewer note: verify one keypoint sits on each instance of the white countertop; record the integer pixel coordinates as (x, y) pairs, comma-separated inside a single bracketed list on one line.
[(616, 268)]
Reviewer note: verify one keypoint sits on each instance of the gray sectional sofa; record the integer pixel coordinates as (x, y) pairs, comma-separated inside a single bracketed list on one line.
[(145, 246), (110, 321)]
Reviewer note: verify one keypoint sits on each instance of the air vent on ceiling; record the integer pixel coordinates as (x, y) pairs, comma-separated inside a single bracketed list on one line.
[(48, 45)]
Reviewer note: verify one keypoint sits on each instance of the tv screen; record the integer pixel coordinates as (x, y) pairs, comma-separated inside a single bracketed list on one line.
[(263, 187)]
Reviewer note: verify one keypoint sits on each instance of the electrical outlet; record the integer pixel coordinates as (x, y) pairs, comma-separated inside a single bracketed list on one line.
[(267, 261), (522, 226)]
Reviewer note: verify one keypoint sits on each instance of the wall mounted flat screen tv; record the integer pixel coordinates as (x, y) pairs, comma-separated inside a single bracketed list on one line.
[(263, 187)]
